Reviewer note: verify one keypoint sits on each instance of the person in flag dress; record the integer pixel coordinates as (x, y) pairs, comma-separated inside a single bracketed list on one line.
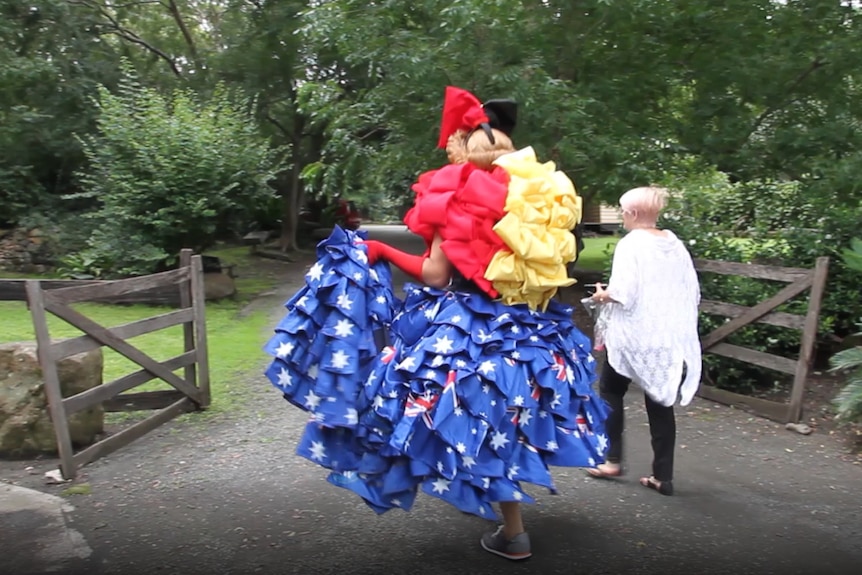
[(477, 381)]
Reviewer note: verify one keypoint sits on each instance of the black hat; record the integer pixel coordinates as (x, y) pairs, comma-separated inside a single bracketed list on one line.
[(502, 115)]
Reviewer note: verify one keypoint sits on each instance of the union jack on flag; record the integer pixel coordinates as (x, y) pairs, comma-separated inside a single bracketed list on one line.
[(388, 354)]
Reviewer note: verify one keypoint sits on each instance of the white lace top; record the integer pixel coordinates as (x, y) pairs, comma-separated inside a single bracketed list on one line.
[(651, 328)]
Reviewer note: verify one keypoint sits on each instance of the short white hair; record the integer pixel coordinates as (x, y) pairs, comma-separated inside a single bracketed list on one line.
[(647, 201)]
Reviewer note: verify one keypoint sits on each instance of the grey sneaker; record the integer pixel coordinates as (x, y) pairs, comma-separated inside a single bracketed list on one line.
[(515, 549)]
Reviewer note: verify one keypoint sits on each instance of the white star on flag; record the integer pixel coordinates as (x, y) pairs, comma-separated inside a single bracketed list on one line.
[(437, 361), (395, 501), (456, 318), (556, 401), (381, 299), (372, 377), (603, 442), (526, 416), (458, 412), (344, 301), (460, 363), (352, 416), (440, 467), (284, 378), (534, 338), (551, 445), (378, 401), (486, 388), (285, 348), (468, 461), (486, 367), (429, 374), (318, 451), (316, 272), (543, 414), (361, 256), (513, 471), (313, 371), (515, 329), (302, 301), (516, 355), (440, 485), (407, 363), (340, 359), (483, 337), (517, 495), (443, 345), (460, 447), (344, 328), (357, 276), (499, 439), (312, 401), (486, 482), (519, 400)]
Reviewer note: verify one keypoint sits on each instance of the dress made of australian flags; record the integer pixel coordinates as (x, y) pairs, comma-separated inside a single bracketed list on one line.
[(464, 392)]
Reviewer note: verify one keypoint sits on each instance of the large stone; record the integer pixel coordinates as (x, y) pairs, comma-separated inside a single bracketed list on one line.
[(25, 422)]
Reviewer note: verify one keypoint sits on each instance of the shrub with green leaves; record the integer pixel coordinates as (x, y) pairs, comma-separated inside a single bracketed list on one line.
[(168, 172), (767, 222), (849, 361)]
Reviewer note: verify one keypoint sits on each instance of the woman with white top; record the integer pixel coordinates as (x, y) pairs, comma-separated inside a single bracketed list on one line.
[(648, 326)]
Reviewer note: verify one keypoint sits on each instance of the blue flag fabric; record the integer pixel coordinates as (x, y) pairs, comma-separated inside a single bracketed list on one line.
[(448, 392)]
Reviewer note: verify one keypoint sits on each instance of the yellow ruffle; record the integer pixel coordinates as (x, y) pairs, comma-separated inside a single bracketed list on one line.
[(542, 207)]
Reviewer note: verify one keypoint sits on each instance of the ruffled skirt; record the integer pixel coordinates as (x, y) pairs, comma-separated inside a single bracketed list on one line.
[(467, 399)]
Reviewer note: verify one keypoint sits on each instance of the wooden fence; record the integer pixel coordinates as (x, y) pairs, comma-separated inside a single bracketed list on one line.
[(798, 280), (191, 392)]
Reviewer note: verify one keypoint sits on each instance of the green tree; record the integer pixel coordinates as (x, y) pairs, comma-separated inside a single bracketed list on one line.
[(170, 172)]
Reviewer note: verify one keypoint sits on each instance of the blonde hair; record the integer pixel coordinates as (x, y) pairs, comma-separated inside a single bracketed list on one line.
[(475, 147), (645, 202)]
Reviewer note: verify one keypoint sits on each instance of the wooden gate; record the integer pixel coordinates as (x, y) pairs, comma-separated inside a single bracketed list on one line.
[(798, 280), (191, 392)]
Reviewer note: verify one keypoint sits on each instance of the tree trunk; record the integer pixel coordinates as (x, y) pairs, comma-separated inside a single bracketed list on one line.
[(291, 200)]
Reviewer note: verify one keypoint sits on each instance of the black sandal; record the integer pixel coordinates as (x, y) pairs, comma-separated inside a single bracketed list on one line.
[(663, 487)]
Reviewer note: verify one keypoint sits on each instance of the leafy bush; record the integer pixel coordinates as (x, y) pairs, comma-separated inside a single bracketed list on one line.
[(169, 172), (768, 222), (849, 361)]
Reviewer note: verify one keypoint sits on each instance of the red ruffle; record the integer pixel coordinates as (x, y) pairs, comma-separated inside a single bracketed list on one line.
[(462, 203)]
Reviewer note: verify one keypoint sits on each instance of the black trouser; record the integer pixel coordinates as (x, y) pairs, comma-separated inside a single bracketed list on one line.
[(662, 425)]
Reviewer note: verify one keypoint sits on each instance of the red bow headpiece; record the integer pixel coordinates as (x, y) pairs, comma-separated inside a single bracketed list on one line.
[(463, 111)]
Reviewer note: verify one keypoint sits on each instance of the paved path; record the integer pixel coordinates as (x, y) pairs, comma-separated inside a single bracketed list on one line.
[(231, 497)]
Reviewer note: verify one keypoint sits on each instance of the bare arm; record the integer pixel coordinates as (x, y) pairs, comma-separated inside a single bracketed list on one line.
[(436, 269)]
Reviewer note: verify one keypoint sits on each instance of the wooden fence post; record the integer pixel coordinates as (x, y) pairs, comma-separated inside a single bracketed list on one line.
[(809, 335), (51, 380), (189, 372), (200, 326)]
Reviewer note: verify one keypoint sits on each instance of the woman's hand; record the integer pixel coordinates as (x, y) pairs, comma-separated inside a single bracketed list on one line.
[(601, 295)]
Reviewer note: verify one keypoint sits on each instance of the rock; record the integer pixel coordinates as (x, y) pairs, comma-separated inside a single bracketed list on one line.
[(218, 286), (25, 423)]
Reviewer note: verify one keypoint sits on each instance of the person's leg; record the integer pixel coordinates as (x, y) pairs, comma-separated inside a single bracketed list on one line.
[(612, 387), (513, 524), (509, 540), (662, 427)]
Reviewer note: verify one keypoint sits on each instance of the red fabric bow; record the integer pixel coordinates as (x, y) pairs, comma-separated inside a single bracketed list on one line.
[(461, 111)]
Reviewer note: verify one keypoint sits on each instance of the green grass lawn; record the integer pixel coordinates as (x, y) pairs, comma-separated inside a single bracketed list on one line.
[(234, 344), (234, 340), (593, 257)]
